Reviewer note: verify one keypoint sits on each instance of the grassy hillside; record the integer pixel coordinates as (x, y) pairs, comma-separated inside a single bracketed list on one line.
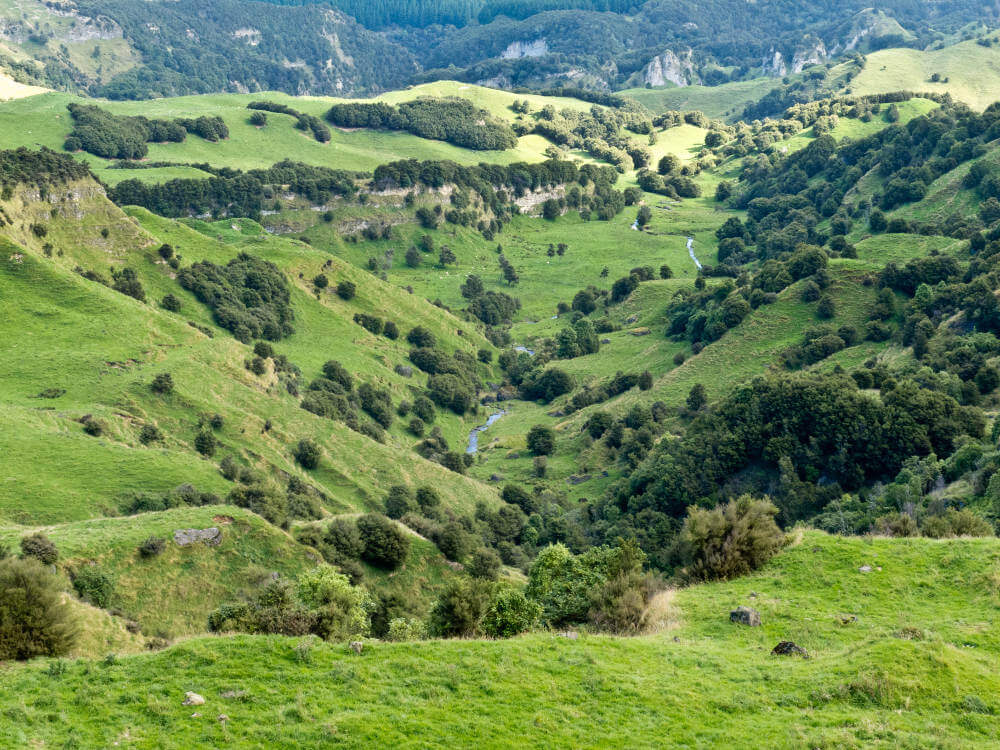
[(99, 349), (44, 120), (901, 655), (972, 72), (717, 102), (172, 594)]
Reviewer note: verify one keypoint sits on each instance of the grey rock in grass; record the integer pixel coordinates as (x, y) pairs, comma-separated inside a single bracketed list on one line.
[(192, 699), (745, 616), (210, 536)]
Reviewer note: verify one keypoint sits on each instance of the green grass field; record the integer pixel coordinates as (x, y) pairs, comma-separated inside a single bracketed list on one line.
[(717, 102), (901, 656), (973, 72)]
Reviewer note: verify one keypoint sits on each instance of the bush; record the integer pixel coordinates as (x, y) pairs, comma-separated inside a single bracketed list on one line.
[(321, 281), (417, 426), (896, 524), (170, 303), (453, 541), (94, 586), (405, 629), (385, 544), (93, 426), (460, 607), (344, 537), (308, 454), (485, 564), (39, 547), (35, 619), (729, 540), (152, 547), (510, 614), (346, 290), (399, 502), (162, 383), (541, 440), (204, 443)]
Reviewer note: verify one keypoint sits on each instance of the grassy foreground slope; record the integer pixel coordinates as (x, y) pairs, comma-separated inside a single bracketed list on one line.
[(916, 668)]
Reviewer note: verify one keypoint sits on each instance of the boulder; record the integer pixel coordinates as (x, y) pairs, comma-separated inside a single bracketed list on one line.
[(210, 536), (405, 370), (745, 616), (357, 646), (572, 635), (192, 699), (575, 479), (787, 648)]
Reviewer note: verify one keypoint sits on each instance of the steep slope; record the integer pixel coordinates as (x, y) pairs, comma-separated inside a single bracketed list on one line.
[(96, 350)]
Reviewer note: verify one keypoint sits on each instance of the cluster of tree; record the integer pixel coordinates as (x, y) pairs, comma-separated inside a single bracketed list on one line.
[(456, 121), (303, 121), (249, 297), (492, 308), (590, 189), (234, 193), (787, 197), (333, 396), (40, 168), (101, 133), (801, 429)]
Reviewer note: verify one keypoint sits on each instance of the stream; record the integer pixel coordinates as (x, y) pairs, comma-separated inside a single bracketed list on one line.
[(691, 252), (473, 446)]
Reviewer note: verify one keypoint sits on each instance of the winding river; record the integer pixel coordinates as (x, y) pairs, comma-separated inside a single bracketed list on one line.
[(473, 446)]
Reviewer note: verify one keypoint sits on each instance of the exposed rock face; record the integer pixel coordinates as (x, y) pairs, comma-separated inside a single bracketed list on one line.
[(210, 536), (774, 64), (745, 616), (813, 54), (516, 50), (668, 67)]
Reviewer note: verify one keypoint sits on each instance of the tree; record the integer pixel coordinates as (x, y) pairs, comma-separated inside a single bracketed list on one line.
[(321, 281), (446, 256), (645, 380), (644, 216), (485, 564), (666, 272), (510, 614), (541, 440), (472, 287), (386, 545), (346, 290), (163, 383), (399, 501), (204, 443), (460, 607), (35, 618), (551, 209), (308, 453), (39, 547), (697, 399), (826, 308)]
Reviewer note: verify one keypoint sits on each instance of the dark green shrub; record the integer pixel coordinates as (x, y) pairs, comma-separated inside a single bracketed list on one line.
[(162, 383), (35, 619), (170, 303), (204, 443), (93, 426), (321, 281), (343, 535), (453, 541), (150, 433), (460, 608), (307, 453), (399, 502), (416, 426), (39, 547), (386, 545), (346, 290), (94, 585), (428, 499), (485, 564), (541, 440), (152, 546)]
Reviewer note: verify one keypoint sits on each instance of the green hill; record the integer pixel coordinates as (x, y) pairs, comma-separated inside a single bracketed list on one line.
[(900, 635)]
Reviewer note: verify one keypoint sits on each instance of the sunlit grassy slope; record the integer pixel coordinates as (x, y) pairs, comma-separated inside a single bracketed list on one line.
[(901, 656)]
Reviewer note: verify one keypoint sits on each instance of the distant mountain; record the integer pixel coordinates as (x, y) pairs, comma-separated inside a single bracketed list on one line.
[(121, 49)]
